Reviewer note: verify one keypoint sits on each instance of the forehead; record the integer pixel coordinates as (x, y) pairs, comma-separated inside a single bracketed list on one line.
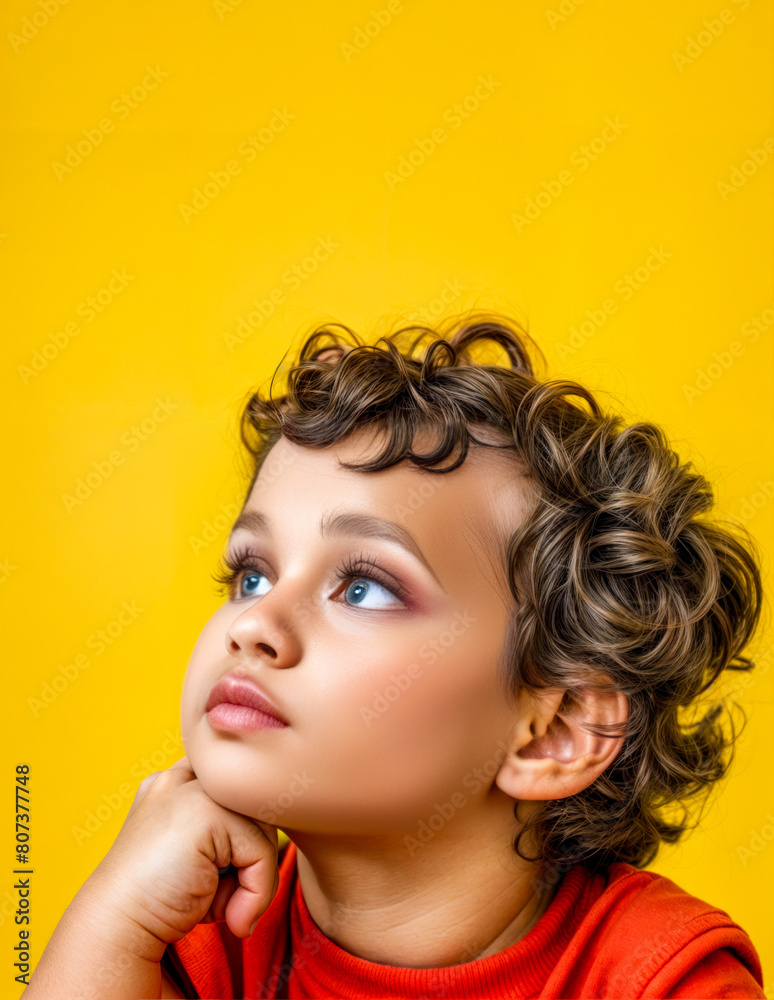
[(461, 520)]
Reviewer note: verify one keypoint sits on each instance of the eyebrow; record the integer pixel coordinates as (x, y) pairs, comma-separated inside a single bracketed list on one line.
[(348, 524)]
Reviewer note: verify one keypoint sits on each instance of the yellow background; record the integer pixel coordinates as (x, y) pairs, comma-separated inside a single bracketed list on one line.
[(355, 97)]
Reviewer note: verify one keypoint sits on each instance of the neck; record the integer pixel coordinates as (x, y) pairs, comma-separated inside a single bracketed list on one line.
[(461, 896)]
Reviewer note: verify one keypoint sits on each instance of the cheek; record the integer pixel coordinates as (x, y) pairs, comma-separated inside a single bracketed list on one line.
[(433, 695), (403, 728), (379, 669), (449, 685)]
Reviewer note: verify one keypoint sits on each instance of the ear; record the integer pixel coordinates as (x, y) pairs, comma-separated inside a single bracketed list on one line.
[(334, 353), (551, 755)]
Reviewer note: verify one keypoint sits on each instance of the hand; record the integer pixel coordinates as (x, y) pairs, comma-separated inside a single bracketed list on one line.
[(162, 871)]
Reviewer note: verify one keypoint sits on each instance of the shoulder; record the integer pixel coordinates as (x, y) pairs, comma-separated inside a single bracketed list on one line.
[(718, 975), (650, 934)]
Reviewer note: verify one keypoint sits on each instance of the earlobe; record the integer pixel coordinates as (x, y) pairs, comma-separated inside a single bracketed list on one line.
[(553, 754)]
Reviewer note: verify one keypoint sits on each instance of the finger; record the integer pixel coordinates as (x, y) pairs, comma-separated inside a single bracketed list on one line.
[(252, 896), (226, 889), (248, 839), (144, 788), (181, 771), (271, 833)]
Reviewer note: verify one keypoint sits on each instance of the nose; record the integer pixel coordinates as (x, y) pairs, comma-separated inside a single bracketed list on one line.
[(262, 633), (234, 647)]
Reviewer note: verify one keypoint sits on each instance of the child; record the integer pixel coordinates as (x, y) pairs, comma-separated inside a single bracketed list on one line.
[(465, 615)]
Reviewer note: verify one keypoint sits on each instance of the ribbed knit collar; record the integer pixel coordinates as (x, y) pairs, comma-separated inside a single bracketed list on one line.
[(322, 967)]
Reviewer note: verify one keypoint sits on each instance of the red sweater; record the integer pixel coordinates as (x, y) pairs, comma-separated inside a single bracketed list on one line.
[(631, 934)]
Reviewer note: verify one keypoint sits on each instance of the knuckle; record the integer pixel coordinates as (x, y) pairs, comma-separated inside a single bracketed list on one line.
[(155, 780), (146, 783)]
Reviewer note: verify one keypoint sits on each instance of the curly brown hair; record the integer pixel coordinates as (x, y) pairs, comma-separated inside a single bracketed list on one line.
[(615, 570)]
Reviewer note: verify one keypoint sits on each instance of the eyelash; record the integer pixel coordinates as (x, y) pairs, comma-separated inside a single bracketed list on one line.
[(229, 574)]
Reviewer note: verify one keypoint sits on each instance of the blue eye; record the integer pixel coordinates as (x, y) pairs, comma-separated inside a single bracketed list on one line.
[(362, 586), (242, 579), (250, 584)]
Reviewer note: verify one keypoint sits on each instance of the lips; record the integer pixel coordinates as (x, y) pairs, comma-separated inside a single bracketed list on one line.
[(235, 689)]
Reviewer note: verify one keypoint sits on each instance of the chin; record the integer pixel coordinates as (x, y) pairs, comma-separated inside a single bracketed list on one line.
[(224, 774)]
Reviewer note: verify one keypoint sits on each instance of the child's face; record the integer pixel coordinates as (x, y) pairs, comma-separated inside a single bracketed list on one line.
[(393, 705)]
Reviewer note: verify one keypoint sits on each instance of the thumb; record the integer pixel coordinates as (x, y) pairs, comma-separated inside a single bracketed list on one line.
[(257, 886)]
